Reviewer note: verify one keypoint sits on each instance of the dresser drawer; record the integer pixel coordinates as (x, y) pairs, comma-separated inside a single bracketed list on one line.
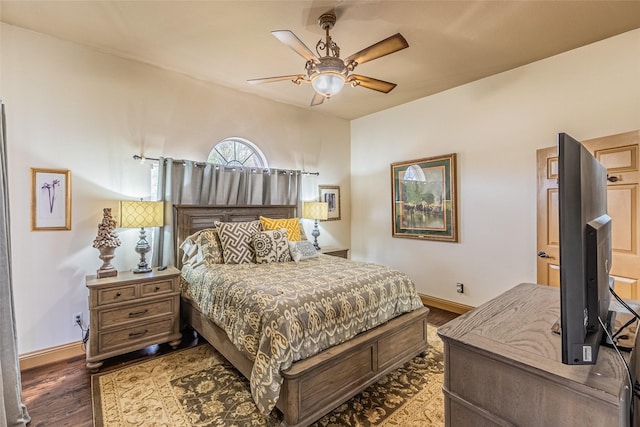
[(132, 335), (157, 288), (122, 315), (117, 294)]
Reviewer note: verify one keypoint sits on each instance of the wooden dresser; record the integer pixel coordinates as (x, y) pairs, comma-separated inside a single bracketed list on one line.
[(503, 367), (131, 311)]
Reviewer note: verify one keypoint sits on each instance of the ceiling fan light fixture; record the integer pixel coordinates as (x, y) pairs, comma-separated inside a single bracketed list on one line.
[(328, 77), (328, 83), (326, 71)]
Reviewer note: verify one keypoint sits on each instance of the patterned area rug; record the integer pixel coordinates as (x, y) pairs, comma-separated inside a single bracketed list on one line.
[(198, 387)]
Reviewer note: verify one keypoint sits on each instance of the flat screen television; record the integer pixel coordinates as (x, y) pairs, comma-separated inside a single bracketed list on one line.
[(585, 251)]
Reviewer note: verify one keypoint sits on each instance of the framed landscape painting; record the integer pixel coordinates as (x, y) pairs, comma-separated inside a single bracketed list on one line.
[(423, 201), (331, 195), (50, 199)]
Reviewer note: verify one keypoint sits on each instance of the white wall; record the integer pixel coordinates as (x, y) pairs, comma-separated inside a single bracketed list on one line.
[(495, 125), (70, 107)]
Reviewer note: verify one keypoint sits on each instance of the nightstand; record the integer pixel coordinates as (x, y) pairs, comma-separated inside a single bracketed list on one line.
[(132, 311), (339, 252)]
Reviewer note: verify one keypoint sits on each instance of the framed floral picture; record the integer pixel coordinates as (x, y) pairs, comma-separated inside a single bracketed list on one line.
[(424, 203), (50, 199), (331, 195)]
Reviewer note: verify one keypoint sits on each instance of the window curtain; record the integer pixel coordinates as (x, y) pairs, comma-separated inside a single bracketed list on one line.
[(185, 182), (12, 410)]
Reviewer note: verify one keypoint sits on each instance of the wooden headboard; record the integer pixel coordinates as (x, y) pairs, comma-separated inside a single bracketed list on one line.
[(188, 219)]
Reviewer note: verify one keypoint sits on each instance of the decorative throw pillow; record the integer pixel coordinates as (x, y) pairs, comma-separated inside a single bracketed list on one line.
[(303, 234), (302, 250), (292, 225), (189, 250), (271, 246), (236, 240), (202, 247), (209, 247)]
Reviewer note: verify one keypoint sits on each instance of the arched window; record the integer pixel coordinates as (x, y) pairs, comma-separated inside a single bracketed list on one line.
[(237, 152)]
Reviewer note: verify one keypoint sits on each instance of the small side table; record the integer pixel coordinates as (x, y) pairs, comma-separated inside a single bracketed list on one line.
[(131, 311), (339, 252)]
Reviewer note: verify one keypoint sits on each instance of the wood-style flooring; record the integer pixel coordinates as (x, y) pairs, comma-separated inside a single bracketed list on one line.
[(59, 394)]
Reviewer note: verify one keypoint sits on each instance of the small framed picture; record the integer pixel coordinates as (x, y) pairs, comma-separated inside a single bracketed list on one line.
[(331, 195), (50, 199), (424, 202)]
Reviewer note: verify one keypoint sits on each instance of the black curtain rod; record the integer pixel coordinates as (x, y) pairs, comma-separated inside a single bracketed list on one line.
[(143, 158)]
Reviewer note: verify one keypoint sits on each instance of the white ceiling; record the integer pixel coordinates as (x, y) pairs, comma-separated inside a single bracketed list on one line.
[(227, 42)]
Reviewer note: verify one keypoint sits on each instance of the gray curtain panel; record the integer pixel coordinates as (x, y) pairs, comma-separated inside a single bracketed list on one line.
[(12, 411), (185, 182)]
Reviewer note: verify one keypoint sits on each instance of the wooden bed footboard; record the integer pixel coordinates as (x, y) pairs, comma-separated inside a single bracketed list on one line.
[(314, 386)]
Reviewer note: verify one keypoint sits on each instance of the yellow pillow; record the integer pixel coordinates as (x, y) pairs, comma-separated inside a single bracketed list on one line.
[(292, 225)]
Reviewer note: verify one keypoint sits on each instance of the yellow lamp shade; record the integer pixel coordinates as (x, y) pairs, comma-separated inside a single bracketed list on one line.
[(135, 214), (315, 210)]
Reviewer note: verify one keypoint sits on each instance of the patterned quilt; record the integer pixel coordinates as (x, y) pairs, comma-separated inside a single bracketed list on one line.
[(283, 312)]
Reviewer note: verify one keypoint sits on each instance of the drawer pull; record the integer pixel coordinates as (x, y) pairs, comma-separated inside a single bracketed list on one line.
[(138, 313), (157, 289), (118, 294), (137, 334)]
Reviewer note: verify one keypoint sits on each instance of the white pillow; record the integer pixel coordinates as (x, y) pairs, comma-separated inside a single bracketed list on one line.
[(303, 249)]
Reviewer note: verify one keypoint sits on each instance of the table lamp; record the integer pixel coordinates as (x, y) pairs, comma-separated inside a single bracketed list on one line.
[(315, 211), (141, 214)]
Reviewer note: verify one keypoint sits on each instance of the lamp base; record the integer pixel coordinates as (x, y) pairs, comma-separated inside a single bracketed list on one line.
[(315, 233), (142, 247)]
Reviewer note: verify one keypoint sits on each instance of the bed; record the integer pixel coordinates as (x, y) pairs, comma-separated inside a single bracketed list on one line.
[(315, 385)]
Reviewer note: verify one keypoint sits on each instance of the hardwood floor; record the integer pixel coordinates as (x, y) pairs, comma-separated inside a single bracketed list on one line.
[(439, 317), (59, 394)]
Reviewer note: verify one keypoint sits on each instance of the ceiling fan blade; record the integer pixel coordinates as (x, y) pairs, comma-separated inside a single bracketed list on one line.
[(294, 78), (317, 99), (382, 48), (371, 83), (291, 40)]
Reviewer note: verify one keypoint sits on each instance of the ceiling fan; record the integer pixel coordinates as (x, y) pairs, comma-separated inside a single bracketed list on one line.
[(328, 73)]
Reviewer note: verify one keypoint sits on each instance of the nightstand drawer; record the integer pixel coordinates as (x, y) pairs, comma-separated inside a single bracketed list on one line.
[(157, 288), (119, 294), (119, 316), (129, 336)]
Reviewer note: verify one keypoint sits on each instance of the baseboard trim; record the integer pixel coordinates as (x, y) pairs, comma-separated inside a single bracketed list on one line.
[(51, 355), (444, 304)]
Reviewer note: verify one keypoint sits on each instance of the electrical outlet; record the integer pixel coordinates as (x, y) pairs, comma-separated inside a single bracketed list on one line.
[(460, 288), (76, 319)]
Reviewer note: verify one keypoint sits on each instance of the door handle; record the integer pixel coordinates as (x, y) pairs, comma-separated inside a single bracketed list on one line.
[(543, 254)]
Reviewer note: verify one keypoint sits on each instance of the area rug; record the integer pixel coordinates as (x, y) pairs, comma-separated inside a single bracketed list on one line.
[(198, 387)]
